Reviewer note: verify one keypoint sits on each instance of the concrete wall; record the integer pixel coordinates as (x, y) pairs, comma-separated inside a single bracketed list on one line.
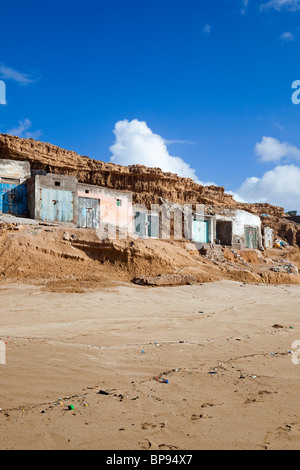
[(53, 182), (241, 219), (112, 215), (14, 170)]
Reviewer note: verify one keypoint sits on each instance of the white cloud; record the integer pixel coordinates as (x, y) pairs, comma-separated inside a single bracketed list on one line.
[(272, 150), (287, 37), (207, 29), (8, 73), (237, 197), (136, 144), (178, 141), (244, 6), (278, 126), (22, 130), (291, 5), (280, 186)]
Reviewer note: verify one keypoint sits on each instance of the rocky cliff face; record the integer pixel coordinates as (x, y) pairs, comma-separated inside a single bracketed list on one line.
[(148, 185)]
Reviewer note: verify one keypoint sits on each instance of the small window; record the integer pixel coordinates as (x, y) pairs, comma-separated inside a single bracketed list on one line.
[(87, 191), (57, 183), (119, 202)]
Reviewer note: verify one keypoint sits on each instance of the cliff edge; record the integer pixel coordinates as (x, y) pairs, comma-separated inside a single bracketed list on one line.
[(148, 185)]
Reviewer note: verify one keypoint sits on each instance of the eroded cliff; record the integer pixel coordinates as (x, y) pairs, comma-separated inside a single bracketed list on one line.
[(148, 185)]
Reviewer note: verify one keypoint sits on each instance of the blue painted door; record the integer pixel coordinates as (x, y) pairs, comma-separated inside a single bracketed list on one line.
[(88, 212), (57, 205), (13, 199), (200, 231)]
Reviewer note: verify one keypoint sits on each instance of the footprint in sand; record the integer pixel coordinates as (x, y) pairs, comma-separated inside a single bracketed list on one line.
[(145, 444)]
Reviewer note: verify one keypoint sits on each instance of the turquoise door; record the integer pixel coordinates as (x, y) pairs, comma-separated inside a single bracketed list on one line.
[(140, 219), (57, 206), (153, 226), (200, 231)]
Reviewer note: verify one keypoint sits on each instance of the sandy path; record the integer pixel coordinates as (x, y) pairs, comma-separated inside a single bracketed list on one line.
[(73, 345)]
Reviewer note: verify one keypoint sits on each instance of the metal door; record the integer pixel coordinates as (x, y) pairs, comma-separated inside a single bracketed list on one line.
[(13, 199), (88, 212), (200, 231), (56, 205)]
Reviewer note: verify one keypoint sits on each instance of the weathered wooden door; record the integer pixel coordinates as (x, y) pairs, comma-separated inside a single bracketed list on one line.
[(56, 205), (88, 212), (251, 237)]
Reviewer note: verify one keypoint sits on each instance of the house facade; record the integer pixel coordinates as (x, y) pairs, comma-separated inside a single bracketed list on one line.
[(238, 228), (104, 208), (53, 198)]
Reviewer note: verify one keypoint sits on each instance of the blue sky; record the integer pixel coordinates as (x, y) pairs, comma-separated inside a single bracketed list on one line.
[(202, 88)]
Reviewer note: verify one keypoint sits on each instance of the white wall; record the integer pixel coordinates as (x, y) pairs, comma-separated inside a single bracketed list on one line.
[(14, 169), (243, 219)]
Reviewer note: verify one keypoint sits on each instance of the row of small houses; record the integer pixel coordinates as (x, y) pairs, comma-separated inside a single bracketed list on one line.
[(60, 198)]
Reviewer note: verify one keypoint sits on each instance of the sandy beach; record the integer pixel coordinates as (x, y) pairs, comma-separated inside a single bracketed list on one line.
[(231, 382)]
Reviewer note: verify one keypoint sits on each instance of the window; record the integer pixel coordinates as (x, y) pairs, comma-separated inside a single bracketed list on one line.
[(119, 202), (87, 191), (57, 183)]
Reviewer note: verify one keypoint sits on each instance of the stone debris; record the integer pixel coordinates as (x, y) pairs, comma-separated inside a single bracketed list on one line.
[(285, 268), (241, 259), (212, 252), (166, 280)]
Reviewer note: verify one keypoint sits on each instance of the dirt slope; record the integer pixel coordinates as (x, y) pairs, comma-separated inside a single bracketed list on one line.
[(76, 259)]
